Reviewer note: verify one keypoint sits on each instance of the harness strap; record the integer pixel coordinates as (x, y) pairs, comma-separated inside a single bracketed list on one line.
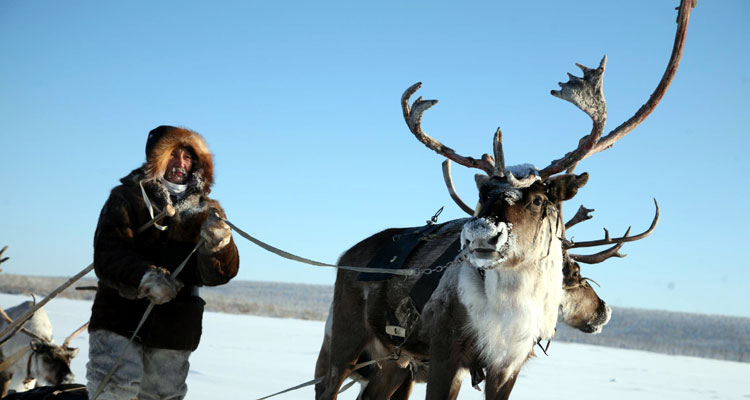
[(290, 256), (149, 206), (320, 378), (395, 252)]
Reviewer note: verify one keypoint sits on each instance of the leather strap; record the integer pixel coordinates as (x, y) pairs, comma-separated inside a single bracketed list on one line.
[(149, 206), (290, 256)]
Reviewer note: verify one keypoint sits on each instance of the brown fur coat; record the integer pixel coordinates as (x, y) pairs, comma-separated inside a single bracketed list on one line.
[(122, 257)]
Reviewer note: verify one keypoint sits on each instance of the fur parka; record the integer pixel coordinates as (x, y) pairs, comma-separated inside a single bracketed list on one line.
[(122, 257)]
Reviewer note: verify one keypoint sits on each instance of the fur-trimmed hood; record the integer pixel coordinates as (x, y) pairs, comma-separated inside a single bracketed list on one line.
[(161, 142)]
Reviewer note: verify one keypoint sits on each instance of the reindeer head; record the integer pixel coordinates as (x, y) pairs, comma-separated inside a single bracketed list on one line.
[(516, 220), (50, 363), (581, 307)]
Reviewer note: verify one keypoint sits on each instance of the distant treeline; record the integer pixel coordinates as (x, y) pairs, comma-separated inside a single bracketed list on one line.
[(698, 335)]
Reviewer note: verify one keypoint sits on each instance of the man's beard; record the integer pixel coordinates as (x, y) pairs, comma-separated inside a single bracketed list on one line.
[(177, 175)]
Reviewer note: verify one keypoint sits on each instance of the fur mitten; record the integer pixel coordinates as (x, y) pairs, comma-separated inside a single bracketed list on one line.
[(158, 286), (216, 234)]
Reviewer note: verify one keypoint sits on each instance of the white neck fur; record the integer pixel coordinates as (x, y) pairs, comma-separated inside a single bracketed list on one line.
[(514, 307)]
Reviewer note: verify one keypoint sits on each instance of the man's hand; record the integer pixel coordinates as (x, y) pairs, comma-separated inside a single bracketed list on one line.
[(215, 233), (158, 286)]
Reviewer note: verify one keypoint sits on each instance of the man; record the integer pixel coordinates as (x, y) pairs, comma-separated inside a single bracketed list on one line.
[(135, 269)]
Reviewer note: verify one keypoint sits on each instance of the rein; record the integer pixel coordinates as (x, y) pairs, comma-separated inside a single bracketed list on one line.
[(293, 257), (319, 379)]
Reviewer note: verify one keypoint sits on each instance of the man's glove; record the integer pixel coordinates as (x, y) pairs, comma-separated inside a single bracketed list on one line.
[(158, 286), (215, 233)]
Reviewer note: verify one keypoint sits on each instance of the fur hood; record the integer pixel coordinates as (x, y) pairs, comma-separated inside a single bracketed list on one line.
[(162, 141)]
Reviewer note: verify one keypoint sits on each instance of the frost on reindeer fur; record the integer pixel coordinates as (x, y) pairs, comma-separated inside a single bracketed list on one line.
[(512, 196), (478, 232), (521, 171)]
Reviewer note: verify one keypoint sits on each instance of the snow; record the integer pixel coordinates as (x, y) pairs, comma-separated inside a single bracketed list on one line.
[(521, 171), (243, 356)]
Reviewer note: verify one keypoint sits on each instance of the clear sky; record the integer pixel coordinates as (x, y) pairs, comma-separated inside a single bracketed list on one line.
[(299, 102)]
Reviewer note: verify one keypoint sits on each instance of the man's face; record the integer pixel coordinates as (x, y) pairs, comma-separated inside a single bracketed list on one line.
[(179, 166)]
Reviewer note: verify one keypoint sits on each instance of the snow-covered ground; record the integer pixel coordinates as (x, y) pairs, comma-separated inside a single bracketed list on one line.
[(249, 357)]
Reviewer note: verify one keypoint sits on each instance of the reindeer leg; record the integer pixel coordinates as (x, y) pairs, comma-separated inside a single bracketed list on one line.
[(348, 338), (499, 384), (443, 381), (4, 385), (323, 363), (404, 391), (386, 381)]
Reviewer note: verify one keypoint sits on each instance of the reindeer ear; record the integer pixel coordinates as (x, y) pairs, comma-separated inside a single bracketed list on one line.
[(564, 187), (71, 352)]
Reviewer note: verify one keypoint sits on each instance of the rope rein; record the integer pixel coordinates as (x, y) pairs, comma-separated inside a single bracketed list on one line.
[(293, 257), (320, 378)]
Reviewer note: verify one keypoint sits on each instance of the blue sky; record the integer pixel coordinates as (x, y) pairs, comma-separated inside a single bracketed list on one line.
[(299, 102)]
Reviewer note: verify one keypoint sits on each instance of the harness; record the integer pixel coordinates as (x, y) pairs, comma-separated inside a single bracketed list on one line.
[(395, 253)]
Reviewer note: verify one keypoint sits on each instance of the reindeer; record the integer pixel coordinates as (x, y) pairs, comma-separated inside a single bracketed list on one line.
[(38, 360), (580, 308), (501, 294)]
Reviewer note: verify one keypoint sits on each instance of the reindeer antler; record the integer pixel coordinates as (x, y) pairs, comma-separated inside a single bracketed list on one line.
[(586, 94), (413, 118), (623, 239), (618, 242), (3, 259), (77, 332), (583, 214), (600, 256), (452, 190)]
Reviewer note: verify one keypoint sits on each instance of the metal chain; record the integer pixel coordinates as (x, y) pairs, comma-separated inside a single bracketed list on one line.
[(439, 268)]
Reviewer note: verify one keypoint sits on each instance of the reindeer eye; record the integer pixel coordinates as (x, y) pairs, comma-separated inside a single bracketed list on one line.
[(538, 201), (575, 274)]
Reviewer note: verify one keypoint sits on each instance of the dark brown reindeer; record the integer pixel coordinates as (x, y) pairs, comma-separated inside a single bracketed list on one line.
[(500, 296)]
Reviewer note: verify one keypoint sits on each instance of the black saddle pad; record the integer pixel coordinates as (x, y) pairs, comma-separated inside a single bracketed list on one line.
[(72, 391), (393, 255)]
